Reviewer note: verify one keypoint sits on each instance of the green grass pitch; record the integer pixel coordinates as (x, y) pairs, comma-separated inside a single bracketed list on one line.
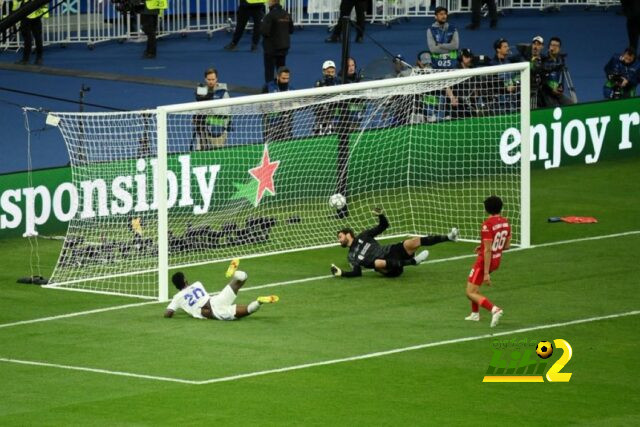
[(328, 319)]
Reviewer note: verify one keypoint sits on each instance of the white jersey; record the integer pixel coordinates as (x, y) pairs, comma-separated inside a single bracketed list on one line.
[(190, 299)]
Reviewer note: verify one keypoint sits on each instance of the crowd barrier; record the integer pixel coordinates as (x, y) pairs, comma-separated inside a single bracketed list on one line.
[(96, 21)]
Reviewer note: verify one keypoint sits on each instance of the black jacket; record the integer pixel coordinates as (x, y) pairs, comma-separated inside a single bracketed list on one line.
[(630, 8), (276, 27)]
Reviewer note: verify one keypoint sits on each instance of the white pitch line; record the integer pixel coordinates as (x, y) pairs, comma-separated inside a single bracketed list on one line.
[(97, 371), (414, 347), (79, 313), (324, 362), (310, 279)]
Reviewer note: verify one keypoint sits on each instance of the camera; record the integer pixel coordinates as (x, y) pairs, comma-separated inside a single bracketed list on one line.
[(202, 90)]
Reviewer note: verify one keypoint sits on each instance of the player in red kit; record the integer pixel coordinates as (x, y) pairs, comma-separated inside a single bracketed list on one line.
[(495, 236)]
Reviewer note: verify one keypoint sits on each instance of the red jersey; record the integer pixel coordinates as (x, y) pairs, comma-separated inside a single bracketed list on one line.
[(498, 230)]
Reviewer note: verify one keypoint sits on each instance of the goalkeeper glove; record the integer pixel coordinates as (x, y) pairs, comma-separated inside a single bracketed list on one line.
[(378, 211), (336, 270)]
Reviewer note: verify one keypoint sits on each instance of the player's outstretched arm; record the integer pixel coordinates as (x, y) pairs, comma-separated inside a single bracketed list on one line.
[(169, 313), (337, 271), (383, 223)]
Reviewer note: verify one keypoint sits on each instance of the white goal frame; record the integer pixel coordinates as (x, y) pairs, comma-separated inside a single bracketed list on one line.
[(384, 87)]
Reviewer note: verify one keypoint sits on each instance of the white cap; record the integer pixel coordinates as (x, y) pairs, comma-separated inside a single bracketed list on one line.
[(538, 39), (328, 64)]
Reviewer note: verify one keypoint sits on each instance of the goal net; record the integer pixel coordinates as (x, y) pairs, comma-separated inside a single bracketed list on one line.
[(253, 175)]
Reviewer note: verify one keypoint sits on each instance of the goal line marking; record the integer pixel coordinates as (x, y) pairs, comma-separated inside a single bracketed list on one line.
[(324, 362), (308, 279)]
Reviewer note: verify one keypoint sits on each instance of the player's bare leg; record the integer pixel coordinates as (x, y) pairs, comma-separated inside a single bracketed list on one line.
[(380, 265), (239, 278), (412, 245), (477, 299)]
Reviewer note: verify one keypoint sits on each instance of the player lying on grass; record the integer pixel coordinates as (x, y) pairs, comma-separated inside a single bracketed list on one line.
[(389, 260), (495, 236), (195, 300)]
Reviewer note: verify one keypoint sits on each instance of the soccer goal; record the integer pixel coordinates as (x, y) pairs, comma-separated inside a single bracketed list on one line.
[(192, 184)]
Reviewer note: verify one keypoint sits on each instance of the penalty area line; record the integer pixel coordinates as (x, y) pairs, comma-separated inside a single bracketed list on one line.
[(414, 347), (97, 371), (320, 363)]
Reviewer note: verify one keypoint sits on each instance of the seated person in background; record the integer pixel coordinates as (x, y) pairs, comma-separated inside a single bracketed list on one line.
[(211, 130), (443, 41), (622, 75), (423, 63), (354, 75), (552, 90), (278, 125), (325, 116)]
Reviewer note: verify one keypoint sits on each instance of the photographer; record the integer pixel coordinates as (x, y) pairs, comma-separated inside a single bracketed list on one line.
[(325, 113), (211, 130), (552, 90), (622, 75)]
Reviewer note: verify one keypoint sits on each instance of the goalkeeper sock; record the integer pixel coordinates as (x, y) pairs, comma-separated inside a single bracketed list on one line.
[(484, 302), (432, 240), (253, 307), (474, 307)]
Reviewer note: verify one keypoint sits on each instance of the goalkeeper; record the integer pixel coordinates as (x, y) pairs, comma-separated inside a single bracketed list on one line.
[(389, 260), (194, 299)]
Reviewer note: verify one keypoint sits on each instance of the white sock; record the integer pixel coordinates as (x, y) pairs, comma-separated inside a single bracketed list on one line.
[(240, 276), (253, 306)]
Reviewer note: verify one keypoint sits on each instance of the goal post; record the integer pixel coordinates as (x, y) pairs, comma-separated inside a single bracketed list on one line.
[(192, 184)]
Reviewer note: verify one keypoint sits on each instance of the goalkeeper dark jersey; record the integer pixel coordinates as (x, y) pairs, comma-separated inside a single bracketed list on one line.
[(365, 250)]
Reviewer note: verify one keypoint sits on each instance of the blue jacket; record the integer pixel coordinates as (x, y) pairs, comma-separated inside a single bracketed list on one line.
[(272, 87), (616, 67)]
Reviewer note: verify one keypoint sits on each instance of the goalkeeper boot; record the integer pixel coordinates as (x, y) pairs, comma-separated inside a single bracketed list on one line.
[(453, 234), (233, 266), (269, 299), (496, 314), (421, 257), (474, 316)]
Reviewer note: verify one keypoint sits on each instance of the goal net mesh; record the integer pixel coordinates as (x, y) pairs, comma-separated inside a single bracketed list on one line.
[(255, 178)]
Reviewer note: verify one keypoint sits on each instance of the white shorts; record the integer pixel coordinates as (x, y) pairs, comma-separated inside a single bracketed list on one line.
[(222, 305)]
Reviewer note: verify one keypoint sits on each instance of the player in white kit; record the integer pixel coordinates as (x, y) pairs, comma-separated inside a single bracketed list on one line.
[(194, 299)]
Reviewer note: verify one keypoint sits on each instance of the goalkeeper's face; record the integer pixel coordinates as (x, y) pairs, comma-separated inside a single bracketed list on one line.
[(344, 240)]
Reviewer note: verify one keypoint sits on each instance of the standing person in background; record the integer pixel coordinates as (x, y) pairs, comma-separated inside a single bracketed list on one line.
[(631, 9), (278, 125), (553, 82), (32, 24), (149, 21), (253, 9), (476, 6), (211, 129), (443, 41), (276, 28), (346, 6)]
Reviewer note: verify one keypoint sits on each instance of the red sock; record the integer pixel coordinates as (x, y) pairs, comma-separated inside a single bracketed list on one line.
[(486, 303), (474, 307)]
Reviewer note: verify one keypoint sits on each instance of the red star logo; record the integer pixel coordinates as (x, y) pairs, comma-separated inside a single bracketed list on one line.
[(264, 175)]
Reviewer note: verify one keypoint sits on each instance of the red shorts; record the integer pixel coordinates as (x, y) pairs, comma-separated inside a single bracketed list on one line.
[(477, 271)]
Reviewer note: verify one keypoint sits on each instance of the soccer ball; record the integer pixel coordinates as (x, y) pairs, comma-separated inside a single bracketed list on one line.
[(337, 201), (544, 349)]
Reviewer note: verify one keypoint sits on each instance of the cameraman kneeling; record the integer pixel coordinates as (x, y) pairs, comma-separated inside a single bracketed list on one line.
[(622, 75)]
